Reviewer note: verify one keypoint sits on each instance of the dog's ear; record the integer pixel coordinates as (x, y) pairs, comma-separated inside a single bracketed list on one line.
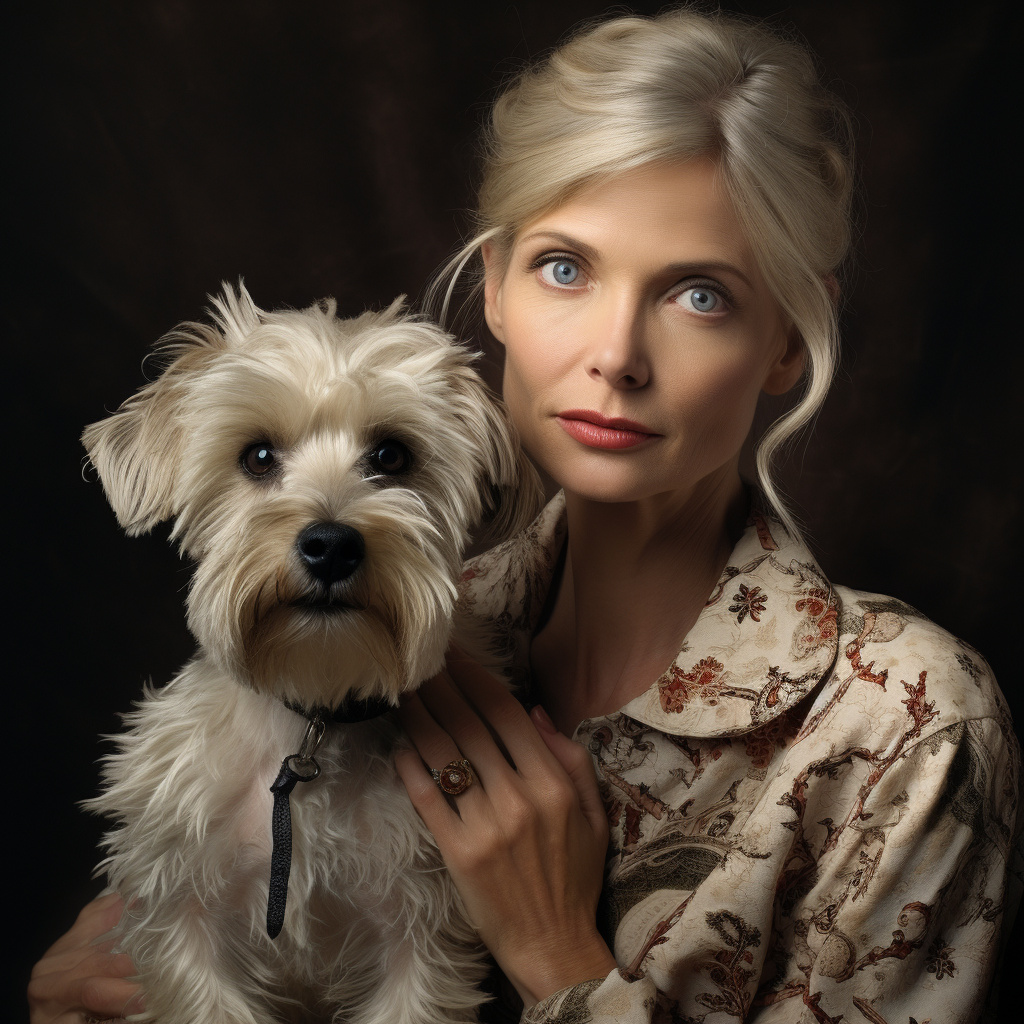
[(510, 485), (137, 450), (133, 452)]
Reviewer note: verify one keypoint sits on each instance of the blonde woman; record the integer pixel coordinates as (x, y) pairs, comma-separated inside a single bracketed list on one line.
[(742, 791), (810, 791)]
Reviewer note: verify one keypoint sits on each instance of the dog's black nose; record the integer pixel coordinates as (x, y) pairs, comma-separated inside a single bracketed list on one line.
[(330, 551)]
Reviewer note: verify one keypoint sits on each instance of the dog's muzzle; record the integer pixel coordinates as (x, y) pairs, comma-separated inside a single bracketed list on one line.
[(330, 552)]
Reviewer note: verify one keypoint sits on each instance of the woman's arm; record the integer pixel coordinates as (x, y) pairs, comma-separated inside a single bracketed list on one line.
[(910, 910), (81, 977), (526, 843)]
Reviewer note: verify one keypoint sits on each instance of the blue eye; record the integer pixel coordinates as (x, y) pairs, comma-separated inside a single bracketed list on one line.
[(560, 273), (701, 300)]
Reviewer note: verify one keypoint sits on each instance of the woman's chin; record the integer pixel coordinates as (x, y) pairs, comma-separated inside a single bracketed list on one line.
[(613, 486), (626, 484)]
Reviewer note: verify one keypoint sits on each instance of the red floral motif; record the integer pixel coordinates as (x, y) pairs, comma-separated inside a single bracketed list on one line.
[(822, 618), (749, 601), (922, 711), (814, 603), (759, 748), (862, 671), (703, 682), (760, 744)]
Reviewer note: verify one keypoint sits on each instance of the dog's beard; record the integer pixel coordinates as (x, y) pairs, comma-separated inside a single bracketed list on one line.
[(379, 632)]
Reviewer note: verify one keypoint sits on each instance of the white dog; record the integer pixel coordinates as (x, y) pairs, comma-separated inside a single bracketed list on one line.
[(324, 474)]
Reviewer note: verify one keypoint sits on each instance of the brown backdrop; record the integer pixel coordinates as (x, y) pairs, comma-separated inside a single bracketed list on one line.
[(326, 148)]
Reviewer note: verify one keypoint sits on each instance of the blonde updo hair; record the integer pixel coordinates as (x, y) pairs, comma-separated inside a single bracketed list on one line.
[(631, 90)]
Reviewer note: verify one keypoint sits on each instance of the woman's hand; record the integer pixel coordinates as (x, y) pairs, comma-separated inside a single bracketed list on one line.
[(526, 843), (79, 979)]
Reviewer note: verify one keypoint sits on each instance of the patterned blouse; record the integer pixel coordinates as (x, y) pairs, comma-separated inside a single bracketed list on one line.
[(813, 810)]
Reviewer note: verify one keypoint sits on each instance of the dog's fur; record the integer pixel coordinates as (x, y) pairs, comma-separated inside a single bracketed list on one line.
[(374, 932)]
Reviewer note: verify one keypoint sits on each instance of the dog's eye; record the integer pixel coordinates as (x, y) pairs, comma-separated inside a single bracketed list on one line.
[(259, 459), (390, 457)]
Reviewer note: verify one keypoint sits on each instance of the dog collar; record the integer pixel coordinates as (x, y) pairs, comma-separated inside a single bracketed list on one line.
[(348, 712)]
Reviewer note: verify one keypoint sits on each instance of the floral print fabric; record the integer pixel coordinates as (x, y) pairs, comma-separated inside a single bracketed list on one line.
[(813, 810)]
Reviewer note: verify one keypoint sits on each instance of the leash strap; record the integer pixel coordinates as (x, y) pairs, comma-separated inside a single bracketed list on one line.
[(281, 821)]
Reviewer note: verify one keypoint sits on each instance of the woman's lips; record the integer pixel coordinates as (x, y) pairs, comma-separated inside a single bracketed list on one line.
[(597, 431)]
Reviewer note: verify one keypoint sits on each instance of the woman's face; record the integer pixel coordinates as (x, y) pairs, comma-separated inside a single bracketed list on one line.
[(638, 333)]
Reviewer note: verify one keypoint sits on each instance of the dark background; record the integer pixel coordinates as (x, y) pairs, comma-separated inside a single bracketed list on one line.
[(326, 148)]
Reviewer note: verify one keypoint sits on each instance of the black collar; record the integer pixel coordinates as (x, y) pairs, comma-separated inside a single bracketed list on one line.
[(348, 712)]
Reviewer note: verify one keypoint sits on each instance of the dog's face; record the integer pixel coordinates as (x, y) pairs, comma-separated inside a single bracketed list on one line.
[(324, 474)]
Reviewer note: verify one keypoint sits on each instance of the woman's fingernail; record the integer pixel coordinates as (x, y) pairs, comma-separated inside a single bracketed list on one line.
[(541, 719)]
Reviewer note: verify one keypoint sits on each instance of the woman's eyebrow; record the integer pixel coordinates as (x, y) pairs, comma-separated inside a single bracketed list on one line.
[(576, 244), (713, 267), (682, 269)]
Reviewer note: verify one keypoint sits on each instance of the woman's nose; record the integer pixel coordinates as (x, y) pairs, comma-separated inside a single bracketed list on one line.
[(618, 354)]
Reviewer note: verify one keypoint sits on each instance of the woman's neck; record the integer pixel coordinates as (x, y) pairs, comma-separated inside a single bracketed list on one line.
[(636, 578)]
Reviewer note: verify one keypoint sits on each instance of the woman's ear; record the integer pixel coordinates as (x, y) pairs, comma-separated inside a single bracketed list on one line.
[(494, 272), (786, 371), (790, 367)]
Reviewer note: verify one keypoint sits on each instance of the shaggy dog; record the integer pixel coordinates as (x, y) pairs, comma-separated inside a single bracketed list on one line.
[(324, 474)]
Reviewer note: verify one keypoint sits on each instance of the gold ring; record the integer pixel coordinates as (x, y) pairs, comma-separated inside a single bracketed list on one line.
[(455, 777)]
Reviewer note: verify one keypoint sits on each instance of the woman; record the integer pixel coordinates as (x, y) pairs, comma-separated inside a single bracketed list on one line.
[(809, 813)]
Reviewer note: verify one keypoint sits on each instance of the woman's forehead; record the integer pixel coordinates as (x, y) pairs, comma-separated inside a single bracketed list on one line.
[(665, 212)]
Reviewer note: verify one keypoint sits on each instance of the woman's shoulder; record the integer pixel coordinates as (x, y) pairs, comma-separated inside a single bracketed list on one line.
[(895, 666)]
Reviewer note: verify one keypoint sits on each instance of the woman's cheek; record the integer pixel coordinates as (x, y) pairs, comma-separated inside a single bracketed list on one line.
[(717, 397), (522, 403)]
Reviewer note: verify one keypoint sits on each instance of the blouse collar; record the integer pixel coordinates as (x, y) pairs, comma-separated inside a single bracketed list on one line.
[(766, 637)]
